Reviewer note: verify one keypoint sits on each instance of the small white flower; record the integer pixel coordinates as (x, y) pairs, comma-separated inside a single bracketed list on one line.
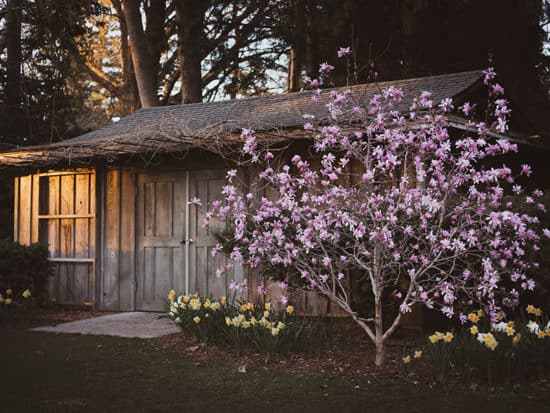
[(500, 327), (533, 327)]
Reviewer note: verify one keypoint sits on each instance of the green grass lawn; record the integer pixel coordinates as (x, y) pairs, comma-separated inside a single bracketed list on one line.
[(65, 373)]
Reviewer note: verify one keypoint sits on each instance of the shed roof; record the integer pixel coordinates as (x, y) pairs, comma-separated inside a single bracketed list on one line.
[(202, 125)]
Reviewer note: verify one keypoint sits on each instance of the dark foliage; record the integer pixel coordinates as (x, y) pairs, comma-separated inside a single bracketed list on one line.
[(24, 266)]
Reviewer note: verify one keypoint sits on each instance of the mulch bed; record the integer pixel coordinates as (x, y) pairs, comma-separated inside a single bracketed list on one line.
[(347, 353)]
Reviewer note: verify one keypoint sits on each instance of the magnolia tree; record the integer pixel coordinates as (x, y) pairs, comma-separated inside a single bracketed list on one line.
[(424, 217)]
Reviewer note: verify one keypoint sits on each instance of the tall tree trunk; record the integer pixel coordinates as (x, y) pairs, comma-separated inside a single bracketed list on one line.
[(190, 15), (154, 33), (293, 80), (296, 58), (13, 86), (312, 41), (145, 77), (130, 94)]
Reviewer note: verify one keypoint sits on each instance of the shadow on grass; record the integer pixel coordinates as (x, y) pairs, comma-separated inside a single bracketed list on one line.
[(68, 373)]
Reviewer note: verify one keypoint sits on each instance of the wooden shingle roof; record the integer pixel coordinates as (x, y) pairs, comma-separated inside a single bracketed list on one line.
[(182, 127)]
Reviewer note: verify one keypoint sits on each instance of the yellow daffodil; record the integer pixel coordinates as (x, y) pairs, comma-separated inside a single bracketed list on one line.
[(197, 320), (407, 359), (171, 295), (253, 321), (490, 341), (215, 306), (274, 331), (195, 304), (437, 336), (474, 330), (246, 324), (266, 314), (206, 315), (227, 321), (448, 337), (206, 304), (26, 294), (538, 312), (541, 334), (290, 309), (510, 331), (480, 313), (185, 299), (9, 292), (223, 300), (516, 339), (531, 309), (267, 306), (7, 301), (548, 332), (510, 324), (474, 318), (244, 307), (250, 307), (417, 354)]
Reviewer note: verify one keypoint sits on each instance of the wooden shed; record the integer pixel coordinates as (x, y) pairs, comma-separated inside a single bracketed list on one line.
[(112, 205)]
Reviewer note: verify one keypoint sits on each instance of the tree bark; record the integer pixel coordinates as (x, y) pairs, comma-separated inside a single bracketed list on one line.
[(13, 39), (130, 93), (312, 41), (379, 332), (296, 57), (190, 15), (145, 77), (154, 34)]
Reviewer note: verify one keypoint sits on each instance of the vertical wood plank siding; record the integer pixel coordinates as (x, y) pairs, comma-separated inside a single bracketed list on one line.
[(117, 286)]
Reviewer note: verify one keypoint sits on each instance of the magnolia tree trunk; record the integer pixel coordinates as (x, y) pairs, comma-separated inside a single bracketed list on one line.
[(379, 332)]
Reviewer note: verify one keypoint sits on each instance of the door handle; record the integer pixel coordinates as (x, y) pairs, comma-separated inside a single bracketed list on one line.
[(187, 241)]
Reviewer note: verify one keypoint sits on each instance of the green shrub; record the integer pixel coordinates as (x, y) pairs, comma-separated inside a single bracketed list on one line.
[(23, 266), (13, 302)]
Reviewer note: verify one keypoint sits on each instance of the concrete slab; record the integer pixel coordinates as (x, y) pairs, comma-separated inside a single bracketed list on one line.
[(134, 324)]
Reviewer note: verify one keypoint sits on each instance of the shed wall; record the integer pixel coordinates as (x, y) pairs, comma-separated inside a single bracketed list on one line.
[(117, 235)]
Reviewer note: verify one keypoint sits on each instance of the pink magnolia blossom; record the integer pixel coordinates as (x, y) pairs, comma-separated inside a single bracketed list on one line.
[(325, 68), (343, 51)]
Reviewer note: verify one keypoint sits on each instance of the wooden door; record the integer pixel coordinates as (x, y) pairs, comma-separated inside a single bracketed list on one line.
[(160, 233), (207, 186)]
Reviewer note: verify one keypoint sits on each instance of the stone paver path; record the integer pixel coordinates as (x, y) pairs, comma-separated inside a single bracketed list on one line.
[(134, 324)]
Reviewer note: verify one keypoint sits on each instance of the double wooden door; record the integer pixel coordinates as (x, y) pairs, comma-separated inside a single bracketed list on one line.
[(174, 250)]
